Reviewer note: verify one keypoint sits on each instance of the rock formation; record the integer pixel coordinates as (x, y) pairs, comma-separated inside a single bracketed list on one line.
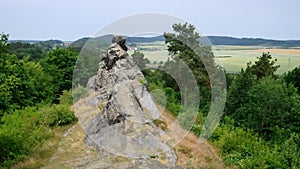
[(123, 129)]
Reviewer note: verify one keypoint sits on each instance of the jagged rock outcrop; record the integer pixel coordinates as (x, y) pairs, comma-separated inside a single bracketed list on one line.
[(123, 129)]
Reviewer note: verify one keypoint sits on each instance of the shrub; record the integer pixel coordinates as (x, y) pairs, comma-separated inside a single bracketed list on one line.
[(24, 131), (66, 97), (58, 115), (79, 92), (247, 150), (20, 135)]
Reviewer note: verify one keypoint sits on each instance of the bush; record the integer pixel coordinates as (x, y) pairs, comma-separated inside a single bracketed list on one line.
[(66, 97), (62, 115), (247, 150), (12, 147), (24, 131), (79, 92), (20, 135), (58, 115)]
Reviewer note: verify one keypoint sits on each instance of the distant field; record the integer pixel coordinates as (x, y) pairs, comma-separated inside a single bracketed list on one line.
[(234, 57), (288, 59)]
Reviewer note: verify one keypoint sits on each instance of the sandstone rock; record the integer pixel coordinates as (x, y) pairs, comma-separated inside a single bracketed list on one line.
[(123, 127)]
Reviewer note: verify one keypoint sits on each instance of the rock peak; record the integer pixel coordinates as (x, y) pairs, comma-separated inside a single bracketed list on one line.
[(124, 123), (120, 40)]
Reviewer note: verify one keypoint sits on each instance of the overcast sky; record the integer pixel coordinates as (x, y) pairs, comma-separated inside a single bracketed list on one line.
[(74, 19)]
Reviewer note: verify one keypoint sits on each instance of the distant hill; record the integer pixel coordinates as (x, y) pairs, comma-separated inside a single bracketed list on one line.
[(97, 42), (145, 39), (214, 40), (24, 41), (49, 44), (223, 40)]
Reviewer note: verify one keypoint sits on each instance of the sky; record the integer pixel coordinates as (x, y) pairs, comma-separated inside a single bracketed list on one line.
[(74, 19)]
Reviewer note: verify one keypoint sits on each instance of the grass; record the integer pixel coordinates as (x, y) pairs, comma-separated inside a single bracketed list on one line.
[(70, 150), (236, 58), (43, 154), (288, 59)]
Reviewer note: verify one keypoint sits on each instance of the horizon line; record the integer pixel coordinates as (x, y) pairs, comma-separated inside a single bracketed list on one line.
[(228, 36)]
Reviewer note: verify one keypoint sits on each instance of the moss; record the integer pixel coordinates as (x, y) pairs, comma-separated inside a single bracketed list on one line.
[(161, 124), (142, 81), (153, 156)]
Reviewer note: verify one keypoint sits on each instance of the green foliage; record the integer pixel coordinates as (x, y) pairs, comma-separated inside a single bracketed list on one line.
[(173, 100), (49, 44), (24, 131), (58, 115), (264, 105), (266, 114), (22, 82), (264, 66), (293, 77), (280, 108), (237, 92), (79, 92), (4, 46), (139, 59), (66, 97), (246, 149), (59, 64), (186, 118), (22, 50), (188, 54), (91, 52), (159, 97)]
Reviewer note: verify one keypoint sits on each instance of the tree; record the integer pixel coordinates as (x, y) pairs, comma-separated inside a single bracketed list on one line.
[(4, 46), (243, 82), (140, 60), (270, 104), (184, 47), (238, 92), (256, 100), (22, 82), (22, 50), (59, 64), (264, 66), (293, 77)]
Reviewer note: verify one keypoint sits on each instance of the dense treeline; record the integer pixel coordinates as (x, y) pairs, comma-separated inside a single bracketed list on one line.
[(31, 81), (260, 125), (220, 40)]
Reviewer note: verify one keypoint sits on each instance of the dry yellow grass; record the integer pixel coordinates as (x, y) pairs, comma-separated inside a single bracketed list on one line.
[(292, 52)]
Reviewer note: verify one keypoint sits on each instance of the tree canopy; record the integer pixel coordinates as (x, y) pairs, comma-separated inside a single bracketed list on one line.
[(22, 82), (264, 66), (59, 64), (185, 49)]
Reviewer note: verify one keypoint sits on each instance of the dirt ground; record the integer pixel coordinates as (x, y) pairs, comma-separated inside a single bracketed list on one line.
[(190, 152)]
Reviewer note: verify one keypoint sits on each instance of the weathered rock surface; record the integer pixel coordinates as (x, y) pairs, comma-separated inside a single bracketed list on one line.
[(123, 128)]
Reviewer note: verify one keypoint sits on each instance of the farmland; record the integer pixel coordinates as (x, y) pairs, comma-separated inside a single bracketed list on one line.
[(238, 56), (232, 58)]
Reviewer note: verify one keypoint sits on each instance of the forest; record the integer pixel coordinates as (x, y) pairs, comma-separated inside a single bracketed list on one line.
[(259, 127)]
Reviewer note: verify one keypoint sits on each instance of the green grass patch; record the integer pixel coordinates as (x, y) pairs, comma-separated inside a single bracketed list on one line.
[(24, 131)]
